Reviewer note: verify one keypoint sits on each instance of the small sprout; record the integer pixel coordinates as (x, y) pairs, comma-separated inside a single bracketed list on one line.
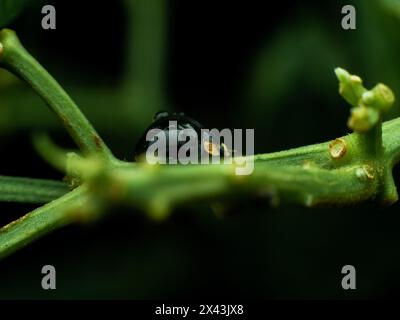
[(380, 97), (350, 86), (337, 148), (366, 172), (368, 105), (363, 119), (368, 97)]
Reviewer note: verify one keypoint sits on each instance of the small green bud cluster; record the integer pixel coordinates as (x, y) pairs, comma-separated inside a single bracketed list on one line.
[(368, 105)]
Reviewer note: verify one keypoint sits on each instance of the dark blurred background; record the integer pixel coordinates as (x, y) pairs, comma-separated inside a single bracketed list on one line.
[(237, 65)]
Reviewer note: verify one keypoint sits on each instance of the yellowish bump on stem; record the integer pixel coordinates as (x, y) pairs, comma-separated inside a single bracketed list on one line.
[(369, 171), (355, 79), (365, 172), (337, 148)]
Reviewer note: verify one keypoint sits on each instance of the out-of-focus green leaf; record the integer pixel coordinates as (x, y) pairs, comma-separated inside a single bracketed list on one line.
[(393, 6), (9, 9)]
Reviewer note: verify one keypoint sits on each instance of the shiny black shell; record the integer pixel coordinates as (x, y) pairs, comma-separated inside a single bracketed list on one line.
[(161, 121)]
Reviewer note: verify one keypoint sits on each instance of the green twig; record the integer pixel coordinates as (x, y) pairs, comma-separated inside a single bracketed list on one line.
[(28, 190), (14, 57), (41, 221), (49, 151), (159, 189)]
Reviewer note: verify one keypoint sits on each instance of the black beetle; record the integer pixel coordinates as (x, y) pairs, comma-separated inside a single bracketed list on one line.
[(162, 121)]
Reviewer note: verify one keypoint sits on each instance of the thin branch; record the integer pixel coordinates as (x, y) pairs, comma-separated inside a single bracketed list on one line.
[(158, 189), (41, 221), (27, 190), (14, 57)]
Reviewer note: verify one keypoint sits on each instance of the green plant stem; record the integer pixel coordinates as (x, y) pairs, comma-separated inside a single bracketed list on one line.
[(41, 221), (160, 189), (391, 140), (27, 190), (50, 152), (304, 175), (318, 153), (15, 58)]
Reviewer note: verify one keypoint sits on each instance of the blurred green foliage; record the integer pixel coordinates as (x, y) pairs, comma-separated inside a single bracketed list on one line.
[(9, 9)]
